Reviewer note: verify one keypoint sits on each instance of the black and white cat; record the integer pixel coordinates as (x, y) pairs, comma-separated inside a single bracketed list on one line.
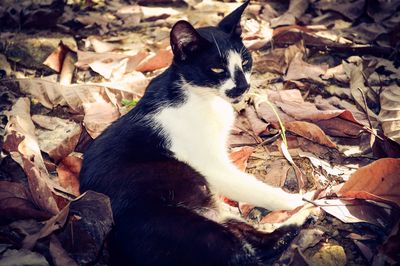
[(163, 163)]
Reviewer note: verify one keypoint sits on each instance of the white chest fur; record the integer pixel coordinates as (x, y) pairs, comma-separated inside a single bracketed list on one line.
[(201, 124), (198, 132)]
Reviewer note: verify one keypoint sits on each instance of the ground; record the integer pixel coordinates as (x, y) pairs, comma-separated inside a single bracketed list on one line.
[(322, 118)]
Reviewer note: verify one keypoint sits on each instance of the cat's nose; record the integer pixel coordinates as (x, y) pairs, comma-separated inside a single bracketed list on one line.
[(241, 82)]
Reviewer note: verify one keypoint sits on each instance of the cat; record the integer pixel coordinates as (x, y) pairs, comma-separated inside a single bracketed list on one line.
[(165, 162)]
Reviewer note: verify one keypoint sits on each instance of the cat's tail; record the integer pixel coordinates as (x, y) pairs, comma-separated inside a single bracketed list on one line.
[(167, 235)]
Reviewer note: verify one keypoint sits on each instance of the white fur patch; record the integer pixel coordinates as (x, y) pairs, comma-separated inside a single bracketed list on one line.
[(198, 131), (234, 61)]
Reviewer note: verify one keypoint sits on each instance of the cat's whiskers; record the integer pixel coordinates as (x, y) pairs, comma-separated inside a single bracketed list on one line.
[(216, 44)]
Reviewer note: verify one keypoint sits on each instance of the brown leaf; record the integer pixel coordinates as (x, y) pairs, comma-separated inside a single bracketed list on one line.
[(68, 173), (57, 137), (98, 116), (56, 58), (111, 65), (240, 156), (355, 211), (162, 58), (298, 69), (16, 203), (51, 94), (377, 181), (257, 125), (351, 10), (58, 254), (390, 112), (21, 143), (54, 223), (309, 131)]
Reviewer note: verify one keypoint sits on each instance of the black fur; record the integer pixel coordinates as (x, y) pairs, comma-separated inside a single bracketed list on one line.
[(154, 197)]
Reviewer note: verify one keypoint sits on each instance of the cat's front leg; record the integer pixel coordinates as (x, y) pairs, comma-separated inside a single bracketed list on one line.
[(226, 179)]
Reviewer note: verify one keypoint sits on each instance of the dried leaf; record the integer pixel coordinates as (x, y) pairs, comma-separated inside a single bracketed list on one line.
[(14, 257), (21, 143), (54, 223), (240, 156), (68, 173), (90, 221), (57, 137), (56, 58), (298, 69), (390, 112), (355, 211), (377, 181), (16, 203), (98, 116), (58, 254), (162, 58), (309, 131)]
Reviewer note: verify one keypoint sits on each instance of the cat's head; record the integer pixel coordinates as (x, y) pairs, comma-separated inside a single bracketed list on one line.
[(213, 59)]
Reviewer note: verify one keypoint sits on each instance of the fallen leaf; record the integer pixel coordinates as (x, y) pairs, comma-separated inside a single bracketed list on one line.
[(351, 10), (58, 254), (377, 181), (68, 173), (298, 69), (355, 211), (21, 143), (56, 58), (309, 131), (240, 156), (51, 94), (162, 58), (22, 257), (89, 224), (16, 203), (98, 116), (51, 225), (257, 125), (389, 115), (57, 137)]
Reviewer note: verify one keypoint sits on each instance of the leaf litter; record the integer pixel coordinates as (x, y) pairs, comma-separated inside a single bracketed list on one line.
[(321, 117)]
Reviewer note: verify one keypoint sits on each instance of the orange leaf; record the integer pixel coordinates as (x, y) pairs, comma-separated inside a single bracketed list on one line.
[(377, 181), (162, 58), (310, 131), (239, 157), (68, 173)]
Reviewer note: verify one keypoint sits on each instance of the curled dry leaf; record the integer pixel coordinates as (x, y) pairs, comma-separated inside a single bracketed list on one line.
[(377, 181), (309, 131), (16, 203), (68, 173), (240, 156), (90, 221), (56, 58), (298, 69), (57, 137), (21, 143), (389, 115), (113, 66), (355, 72), (22, 257), (162, 58), (355, 211), (54, 223), (58, 254), (51, 94), (257, 125), (98, 116)]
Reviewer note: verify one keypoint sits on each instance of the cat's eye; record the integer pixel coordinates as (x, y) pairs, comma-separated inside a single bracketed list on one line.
[(245, 62), (217, 70)]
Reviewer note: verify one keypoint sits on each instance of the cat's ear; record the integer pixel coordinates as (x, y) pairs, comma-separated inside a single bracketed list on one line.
[(231, 23), (185, 40)]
